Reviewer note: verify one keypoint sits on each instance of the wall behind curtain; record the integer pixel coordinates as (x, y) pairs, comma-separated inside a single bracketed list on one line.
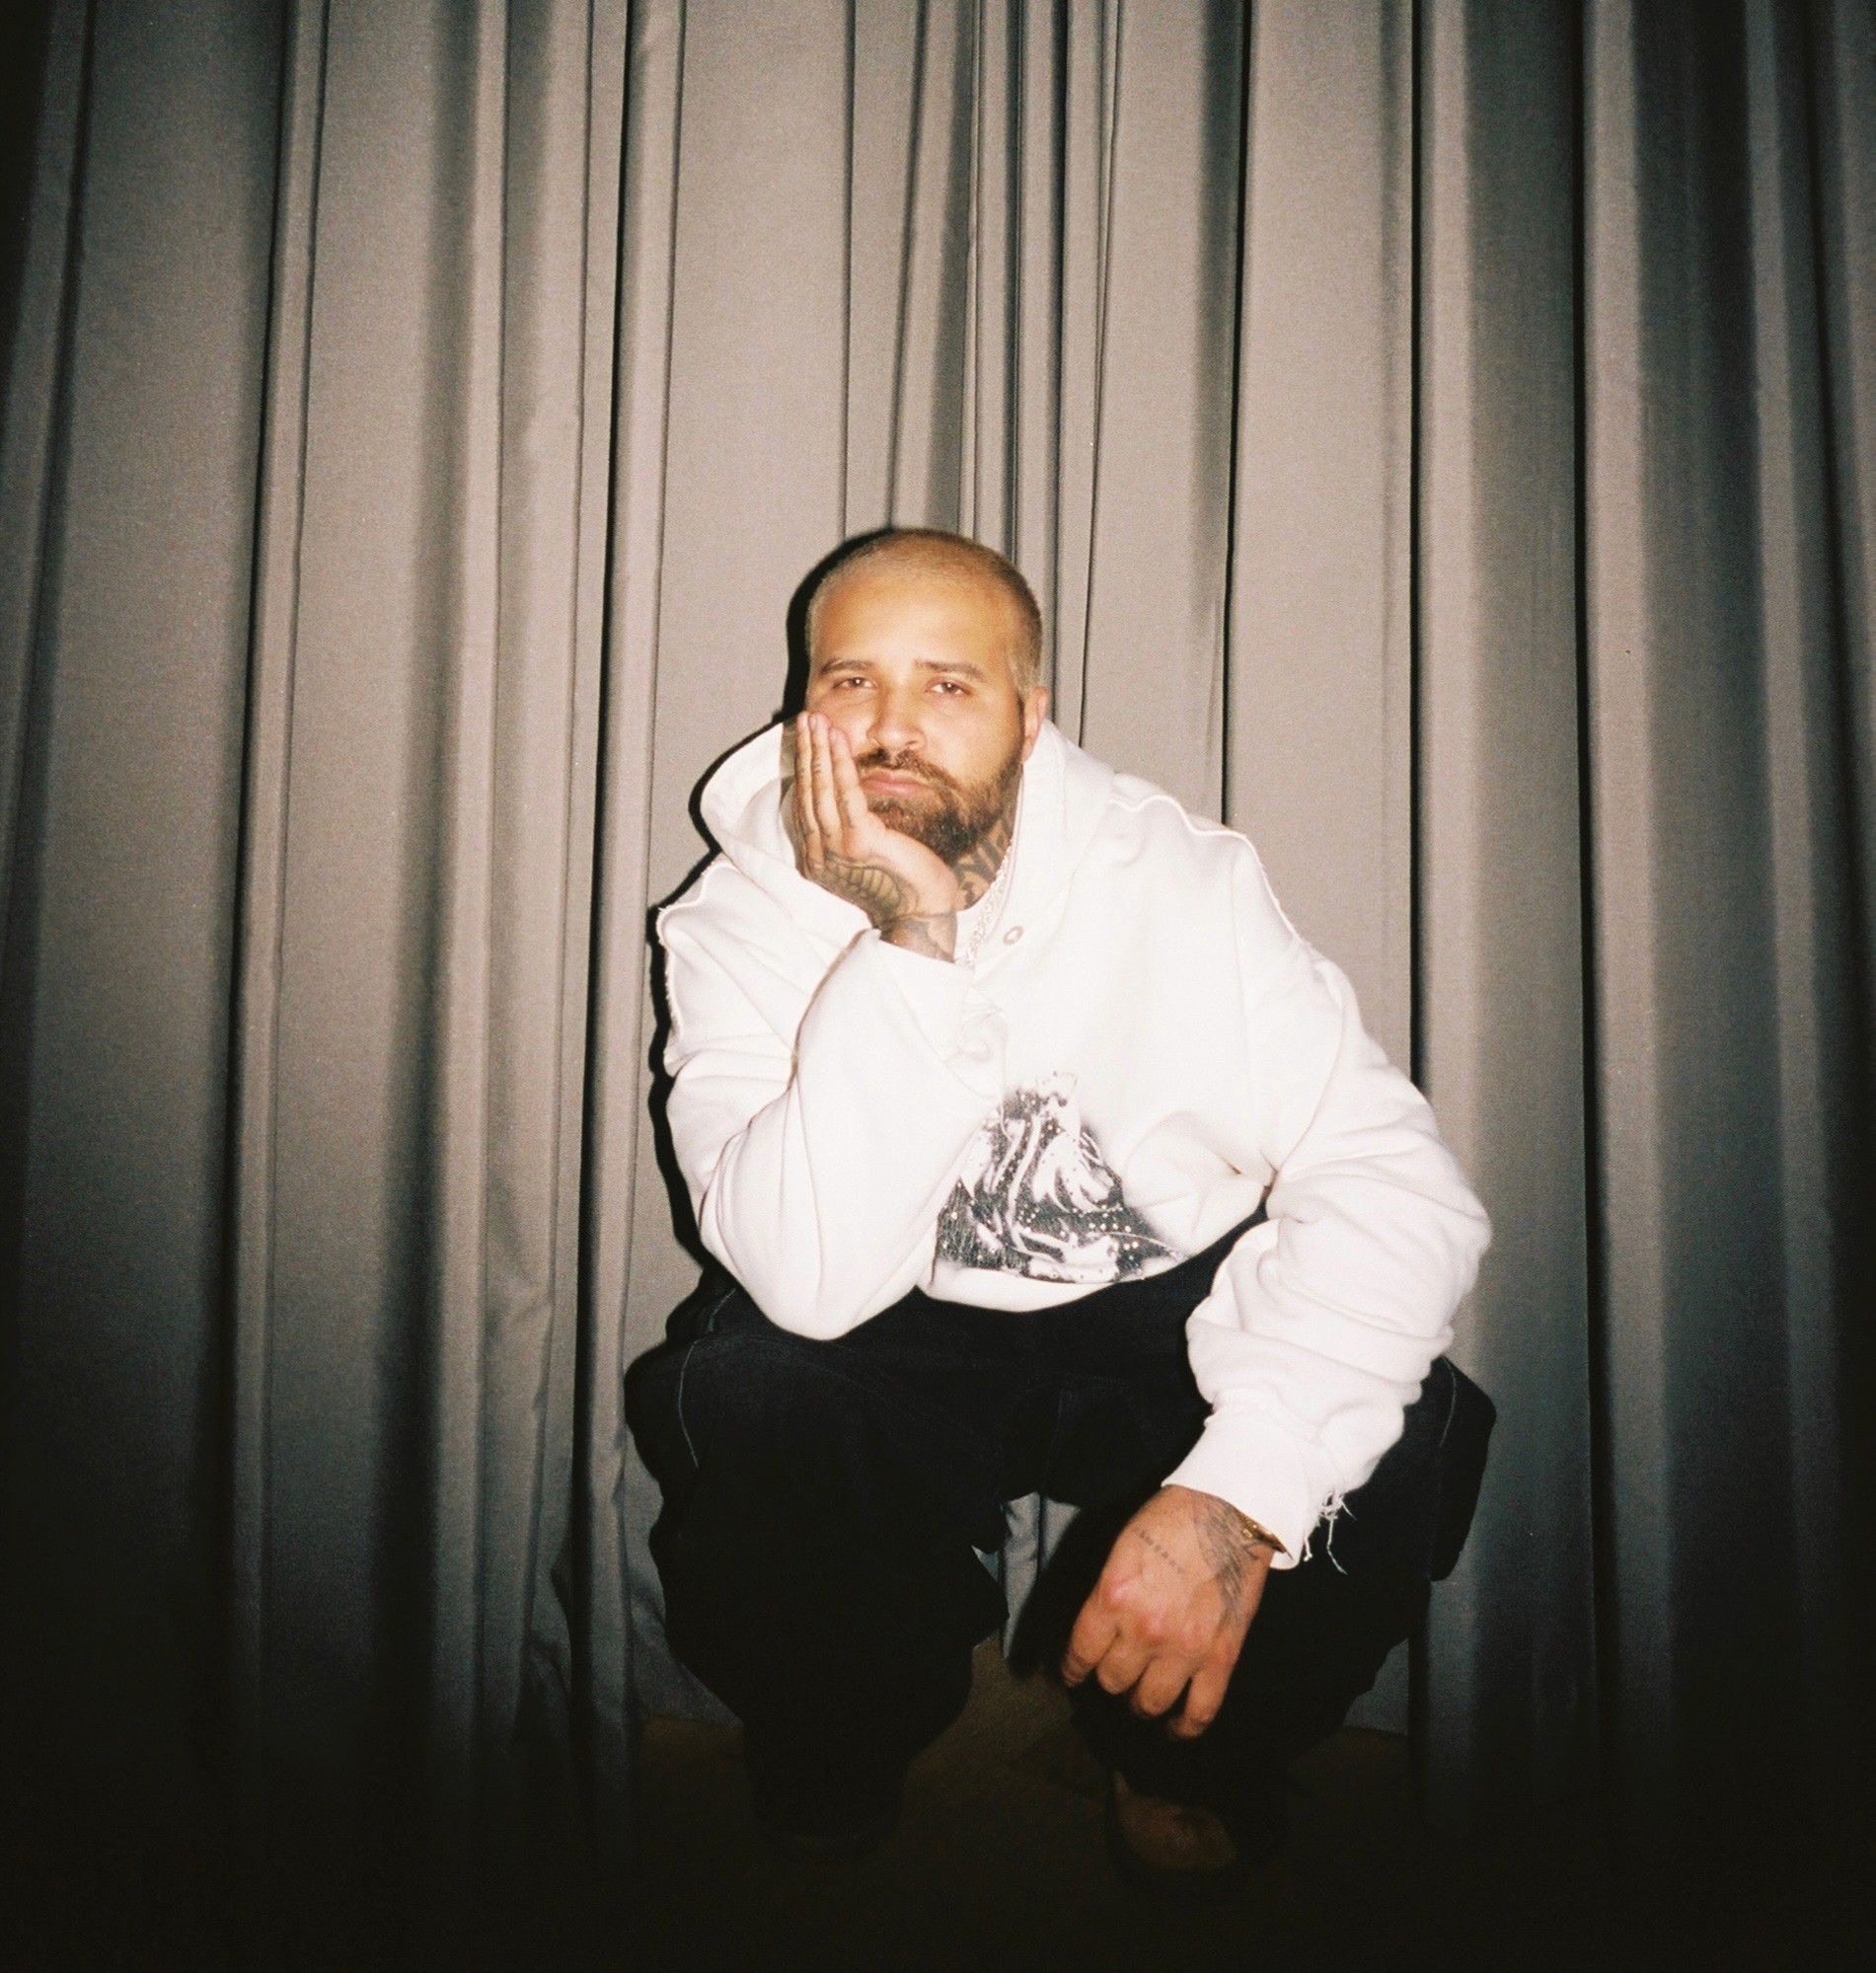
[(1444, 441)]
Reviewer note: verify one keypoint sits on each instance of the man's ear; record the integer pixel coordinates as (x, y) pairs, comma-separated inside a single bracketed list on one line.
[(1035, 709)]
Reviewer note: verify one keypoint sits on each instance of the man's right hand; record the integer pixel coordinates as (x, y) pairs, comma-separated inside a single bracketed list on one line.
[(909, 893)]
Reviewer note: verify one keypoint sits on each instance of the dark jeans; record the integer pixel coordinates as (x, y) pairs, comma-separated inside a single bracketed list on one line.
[(824, 1503)]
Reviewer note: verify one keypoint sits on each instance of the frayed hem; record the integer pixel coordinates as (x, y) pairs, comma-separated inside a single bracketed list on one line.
[(1332, 1512)]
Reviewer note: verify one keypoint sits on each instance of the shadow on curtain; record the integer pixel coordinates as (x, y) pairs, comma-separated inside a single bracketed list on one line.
[(1444, 441)]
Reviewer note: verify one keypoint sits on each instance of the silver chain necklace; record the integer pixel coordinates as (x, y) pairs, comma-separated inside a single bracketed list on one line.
[(986, 908)]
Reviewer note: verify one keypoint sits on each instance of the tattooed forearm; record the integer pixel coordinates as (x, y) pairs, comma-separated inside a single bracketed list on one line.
[(887, 899), (881, 893)]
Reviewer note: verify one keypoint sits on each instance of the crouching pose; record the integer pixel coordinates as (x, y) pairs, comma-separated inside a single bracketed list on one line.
[(1040, 1153)]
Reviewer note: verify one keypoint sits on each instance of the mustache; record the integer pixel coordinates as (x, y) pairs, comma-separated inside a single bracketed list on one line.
[(910, 765)]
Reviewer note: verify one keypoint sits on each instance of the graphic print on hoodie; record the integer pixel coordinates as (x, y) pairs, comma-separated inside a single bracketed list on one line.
[(1036, 1197)]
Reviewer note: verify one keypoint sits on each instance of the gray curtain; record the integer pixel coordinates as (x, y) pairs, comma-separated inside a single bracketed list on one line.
[(1444, 441), (311, 1411)]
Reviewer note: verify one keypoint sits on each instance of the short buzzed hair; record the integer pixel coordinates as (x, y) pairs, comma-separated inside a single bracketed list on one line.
[(929, 551)]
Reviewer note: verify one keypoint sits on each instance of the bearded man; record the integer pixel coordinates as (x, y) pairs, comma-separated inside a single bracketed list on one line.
[(1038, 1153)]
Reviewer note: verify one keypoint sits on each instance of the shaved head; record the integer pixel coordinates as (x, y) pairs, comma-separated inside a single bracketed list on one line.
[(930, 554)]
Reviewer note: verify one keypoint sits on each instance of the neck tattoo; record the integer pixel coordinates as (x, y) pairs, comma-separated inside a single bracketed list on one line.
[(986, 909)]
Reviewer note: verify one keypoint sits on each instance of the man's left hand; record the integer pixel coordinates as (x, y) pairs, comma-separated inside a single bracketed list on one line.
[(1171, 1611)]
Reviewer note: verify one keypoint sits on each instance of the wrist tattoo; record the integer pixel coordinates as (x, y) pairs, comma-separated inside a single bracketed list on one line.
[(934, 936), (1232, 1543)]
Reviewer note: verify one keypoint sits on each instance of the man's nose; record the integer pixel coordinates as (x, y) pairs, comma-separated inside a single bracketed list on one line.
[(895, 723)]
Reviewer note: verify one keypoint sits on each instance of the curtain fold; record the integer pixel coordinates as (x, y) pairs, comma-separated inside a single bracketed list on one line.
[(128, 465), (418, 1039), (1506, 1677), (312, 665), (1443, 437), (1726, 1037)]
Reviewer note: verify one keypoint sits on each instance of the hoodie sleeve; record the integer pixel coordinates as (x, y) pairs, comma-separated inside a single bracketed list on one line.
[(820, 1135), (1323, 1321)]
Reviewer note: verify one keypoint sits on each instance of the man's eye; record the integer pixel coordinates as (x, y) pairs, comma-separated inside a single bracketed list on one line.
[(950, 685)]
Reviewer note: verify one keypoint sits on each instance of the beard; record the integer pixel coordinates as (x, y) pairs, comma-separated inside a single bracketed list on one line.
[(959, 815)]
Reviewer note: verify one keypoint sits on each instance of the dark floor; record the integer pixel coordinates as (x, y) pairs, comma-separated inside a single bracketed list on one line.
[(999, 1863)]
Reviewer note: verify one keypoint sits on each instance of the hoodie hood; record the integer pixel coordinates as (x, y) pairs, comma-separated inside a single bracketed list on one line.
[(1064, 796)]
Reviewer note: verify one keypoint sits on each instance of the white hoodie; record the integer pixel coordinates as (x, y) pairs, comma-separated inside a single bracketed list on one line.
[(1143, 1051)]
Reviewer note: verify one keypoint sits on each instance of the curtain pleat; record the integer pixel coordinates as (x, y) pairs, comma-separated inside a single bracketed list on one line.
[(276, 571), (34, 382), (314, 797), (1806, 805), (1725, 1040), (1443, 437), (128, 469), (1507, 1679), (636, 1260), (610, 1484), (1156, 500), (1842, 108), (1319, 682), (417, 912)]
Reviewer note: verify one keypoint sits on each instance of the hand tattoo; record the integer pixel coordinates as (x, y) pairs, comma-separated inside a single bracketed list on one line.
[(1220, 1532), (1160, 1550)]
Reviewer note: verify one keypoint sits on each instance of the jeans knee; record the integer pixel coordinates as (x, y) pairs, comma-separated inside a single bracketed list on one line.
[(753, 1394), (653, 1411)]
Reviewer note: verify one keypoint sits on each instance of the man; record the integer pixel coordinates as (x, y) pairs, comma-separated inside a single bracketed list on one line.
[(1040, 1153)]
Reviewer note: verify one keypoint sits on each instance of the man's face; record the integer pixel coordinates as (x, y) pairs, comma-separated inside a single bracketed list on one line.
[(912, 668)]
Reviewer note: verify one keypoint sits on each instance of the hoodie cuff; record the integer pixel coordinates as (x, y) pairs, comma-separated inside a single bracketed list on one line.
[(961, 1028), (1249, 1461)]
